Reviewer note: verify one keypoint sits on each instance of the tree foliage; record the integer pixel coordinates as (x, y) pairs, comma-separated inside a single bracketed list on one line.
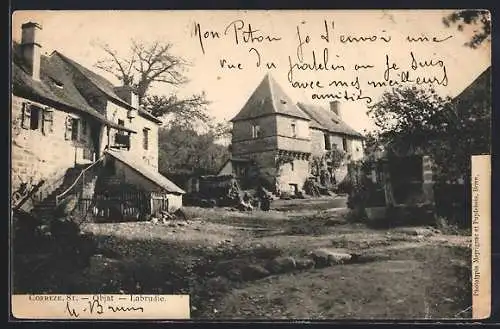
[(333, 159), (184, 112), (472, 17), (412, 120), (184, 150), (221, 130)]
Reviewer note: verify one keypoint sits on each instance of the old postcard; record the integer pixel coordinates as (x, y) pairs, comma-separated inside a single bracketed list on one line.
[(279, 165)]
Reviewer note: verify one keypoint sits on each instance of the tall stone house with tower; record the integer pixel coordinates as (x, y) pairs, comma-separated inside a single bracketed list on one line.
[(76, 134), (271, 126)]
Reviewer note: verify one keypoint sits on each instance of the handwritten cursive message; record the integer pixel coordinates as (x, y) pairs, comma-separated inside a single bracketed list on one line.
[(318, 61)]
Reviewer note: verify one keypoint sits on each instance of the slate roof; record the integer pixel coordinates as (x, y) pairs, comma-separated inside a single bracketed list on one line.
[(324, 119), (55, 88), (57, 69), (476, 93), (145, 171), (104, 85), (269, 98)]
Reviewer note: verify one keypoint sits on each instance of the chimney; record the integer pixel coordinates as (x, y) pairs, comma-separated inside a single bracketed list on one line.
[(31, 48), (127, 94), (335, 108)]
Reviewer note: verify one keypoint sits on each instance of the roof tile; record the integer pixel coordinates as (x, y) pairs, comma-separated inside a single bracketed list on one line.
[(269, 98), (327, 120), (145, 171)]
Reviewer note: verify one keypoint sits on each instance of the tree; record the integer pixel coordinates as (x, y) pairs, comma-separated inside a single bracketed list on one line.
[(153, 63), (372, 147), (145, 65), (184, 112), (412, 120), (472, 17), (184, 150), (324, 166), (332, 159), (221, 130)]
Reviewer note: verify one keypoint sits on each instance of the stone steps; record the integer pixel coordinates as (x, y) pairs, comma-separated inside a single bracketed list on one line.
[(45, 209)]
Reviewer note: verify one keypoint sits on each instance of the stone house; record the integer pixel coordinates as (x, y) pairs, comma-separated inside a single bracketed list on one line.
[(73, 130), (271, 127)]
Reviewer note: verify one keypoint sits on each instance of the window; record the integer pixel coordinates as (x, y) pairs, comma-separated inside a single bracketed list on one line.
[(35, 118), (48, 121), (294, 130), (292, 166), (72, 128), (328, 145), (344, 144), (255, 131), (122, 138), (145, 138)]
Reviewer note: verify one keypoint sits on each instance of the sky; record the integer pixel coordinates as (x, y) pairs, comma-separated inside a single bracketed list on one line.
[(77, 33)]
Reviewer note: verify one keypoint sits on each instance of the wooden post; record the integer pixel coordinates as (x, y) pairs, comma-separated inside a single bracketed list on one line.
[(389, 196), (107, 131), (427, 179), (151, 203)]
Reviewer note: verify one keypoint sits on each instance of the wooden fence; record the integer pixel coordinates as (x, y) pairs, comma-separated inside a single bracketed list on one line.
[(159, 202), (124, 206)]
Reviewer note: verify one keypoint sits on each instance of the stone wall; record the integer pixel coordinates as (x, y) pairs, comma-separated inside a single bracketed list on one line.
[(293, 144), (276, 133), (262, 144), (265, 165), (317, 142), (44, 154), (284, 127), (293, 173), (149, 155), (115, 112), (242, 130)]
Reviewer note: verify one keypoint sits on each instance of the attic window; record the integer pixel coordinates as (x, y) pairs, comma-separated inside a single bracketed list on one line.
[(294, 129), (57, 83), (283, 101)]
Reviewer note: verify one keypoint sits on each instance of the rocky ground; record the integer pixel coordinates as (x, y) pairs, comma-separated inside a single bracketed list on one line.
[(297, 261)]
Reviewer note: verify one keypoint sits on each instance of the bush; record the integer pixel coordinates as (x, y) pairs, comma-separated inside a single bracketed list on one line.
[(453, 204)]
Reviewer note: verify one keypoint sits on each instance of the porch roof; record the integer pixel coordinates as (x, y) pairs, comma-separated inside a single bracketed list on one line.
[(149, 173)]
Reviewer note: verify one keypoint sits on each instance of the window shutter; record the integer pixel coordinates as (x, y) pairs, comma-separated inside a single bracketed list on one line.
[(26, 115), (67, 132), (83, 130), (48, 121)]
